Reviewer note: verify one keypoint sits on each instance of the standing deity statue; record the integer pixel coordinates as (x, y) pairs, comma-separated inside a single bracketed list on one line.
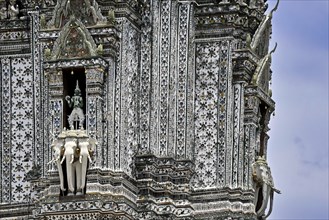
[(76, 115)]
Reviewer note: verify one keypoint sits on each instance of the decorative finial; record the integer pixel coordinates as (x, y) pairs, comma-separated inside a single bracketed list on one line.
[(47, 53), (43, 23), (77, 88), (100, 49), (111, 17), (273, 50), (275, 8), (248, 40)]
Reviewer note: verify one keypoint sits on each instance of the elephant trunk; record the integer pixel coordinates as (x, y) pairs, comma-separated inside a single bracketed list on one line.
[(72, 158), (70, 174), (271, 204), (266, 189), (84, 162), (60, 172)]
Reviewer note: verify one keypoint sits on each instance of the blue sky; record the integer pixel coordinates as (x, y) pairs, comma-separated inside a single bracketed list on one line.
[(298, 145)]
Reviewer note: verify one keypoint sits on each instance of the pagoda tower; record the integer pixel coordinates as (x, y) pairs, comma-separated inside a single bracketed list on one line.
[(135, 109)]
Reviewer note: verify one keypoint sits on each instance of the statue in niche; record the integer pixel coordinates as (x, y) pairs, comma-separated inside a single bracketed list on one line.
[(76, 115), (13, 10)]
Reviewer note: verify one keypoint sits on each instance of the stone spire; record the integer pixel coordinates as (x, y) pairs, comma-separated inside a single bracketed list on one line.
[(87, 11)]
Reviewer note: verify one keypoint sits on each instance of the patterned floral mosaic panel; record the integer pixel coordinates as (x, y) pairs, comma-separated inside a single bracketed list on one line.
[(169, 86), (211, 94), (145, 78), (17, 134), (183, 45), (5, 132), (130, 60), (164, 58)]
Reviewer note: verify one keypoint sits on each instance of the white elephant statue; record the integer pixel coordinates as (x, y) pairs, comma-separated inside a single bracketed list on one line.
[(58, 148), (264, 187), (76, 148), (86, 147), (73, 167)]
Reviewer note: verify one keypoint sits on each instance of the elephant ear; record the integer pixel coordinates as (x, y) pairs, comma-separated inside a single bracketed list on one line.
[(54, 143)]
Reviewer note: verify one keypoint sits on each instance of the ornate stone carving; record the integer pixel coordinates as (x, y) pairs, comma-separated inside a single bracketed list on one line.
[(182, 76), (164, 59), (264, 186), (74, 147), (89, 13), (129, 98), (145, 89), (58, 152), (76, 115), (260, 40), (6, 116), (176, 93), (74, 41), (262, 75)]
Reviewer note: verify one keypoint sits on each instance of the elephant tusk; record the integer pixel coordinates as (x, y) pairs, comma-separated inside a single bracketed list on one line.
[(62, 160), (72, 159), (80, 159), (90, 161), (276, 190)]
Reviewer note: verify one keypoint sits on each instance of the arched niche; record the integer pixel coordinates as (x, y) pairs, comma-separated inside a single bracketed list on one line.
[(62, 76)]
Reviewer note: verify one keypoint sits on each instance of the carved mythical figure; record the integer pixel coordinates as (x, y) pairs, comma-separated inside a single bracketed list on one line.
[(264, 187), (3, 12), (76, 102), (13, 10)]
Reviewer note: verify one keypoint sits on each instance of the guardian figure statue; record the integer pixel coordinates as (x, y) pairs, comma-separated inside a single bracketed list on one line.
[(76, 115)]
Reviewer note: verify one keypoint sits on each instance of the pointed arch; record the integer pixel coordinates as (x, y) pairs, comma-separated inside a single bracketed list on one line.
[(74, 41)]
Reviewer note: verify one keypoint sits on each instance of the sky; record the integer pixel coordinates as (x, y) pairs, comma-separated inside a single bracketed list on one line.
[(298, 145)]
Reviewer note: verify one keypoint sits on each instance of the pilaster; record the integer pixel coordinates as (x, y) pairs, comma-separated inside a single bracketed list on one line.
[(95, 111)]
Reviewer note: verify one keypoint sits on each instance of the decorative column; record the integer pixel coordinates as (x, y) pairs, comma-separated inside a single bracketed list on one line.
[(185, 13), (56, 91), (36, 67), (250, 136), (145, 77), (238, 148), (95, 111)]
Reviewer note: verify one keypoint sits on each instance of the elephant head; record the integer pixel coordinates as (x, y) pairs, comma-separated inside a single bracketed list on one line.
[(264, 187), (58, 149), (69, 155), (83, 160), (86, 147)]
